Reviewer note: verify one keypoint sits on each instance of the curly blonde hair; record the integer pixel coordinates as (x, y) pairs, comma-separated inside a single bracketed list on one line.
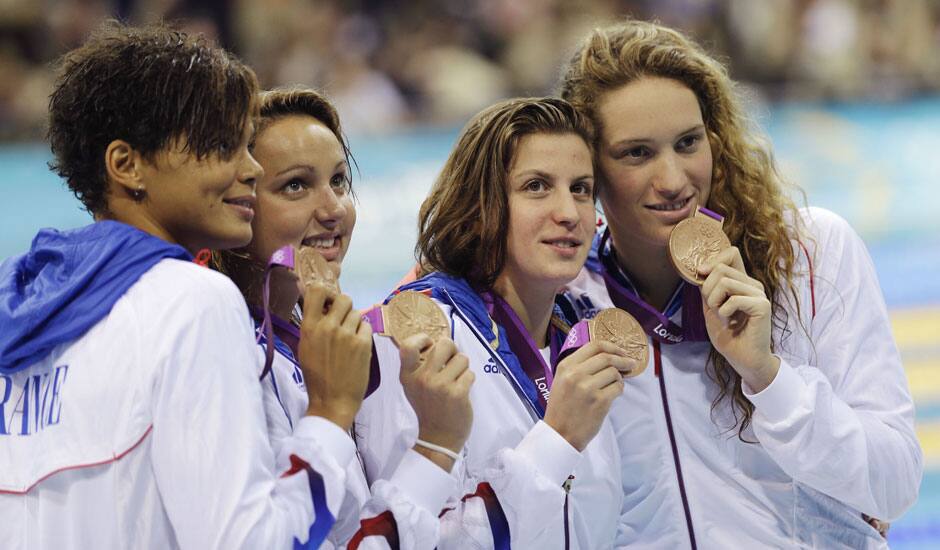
[(746, 186)]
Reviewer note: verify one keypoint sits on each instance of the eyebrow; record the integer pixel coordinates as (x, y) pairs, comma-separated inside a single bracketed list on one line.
[(308, 168), (628, 141), (547, 176)]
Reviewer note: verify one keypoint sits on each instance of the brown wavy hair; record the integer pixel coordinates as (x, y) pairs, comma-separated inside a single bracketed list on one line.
[(245, 270), (146, 86), (746, 186), (462, 223)]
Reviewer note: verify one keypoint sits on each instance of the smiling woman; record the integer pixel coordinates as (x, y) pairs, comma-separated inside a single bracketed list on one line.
[(777, 388), (153, 433), (508, 222), (305, 201)]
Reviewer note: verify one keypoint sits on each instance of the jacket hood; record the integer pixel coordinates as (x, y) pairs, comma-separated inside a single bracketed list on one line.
[(67, 282)]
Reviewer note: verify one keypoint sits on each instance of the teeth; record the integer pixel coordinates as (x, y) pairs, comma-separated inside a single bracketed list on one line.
[(671, 206), (564, 244), (321, 243)]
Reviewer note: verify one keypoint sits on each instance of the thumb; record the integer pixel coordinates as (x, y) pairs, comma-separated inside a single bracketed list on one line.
[(410, 351)]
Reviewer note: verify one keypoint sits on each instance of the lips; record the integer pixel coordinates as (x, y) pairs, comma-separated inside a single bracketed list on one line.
[(670, 206), (567, 247), (672, 212), (243, 205)]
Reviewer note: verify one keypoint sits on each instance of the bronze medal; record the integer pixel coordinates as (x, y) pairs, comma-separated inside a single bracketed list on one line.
[(409, 313), (695, 241), (312, 268), (621, 329)]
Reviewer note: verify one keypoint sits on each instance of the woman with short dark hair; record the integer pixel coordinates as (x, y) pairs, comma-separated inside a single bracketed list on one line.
[(130, 410)]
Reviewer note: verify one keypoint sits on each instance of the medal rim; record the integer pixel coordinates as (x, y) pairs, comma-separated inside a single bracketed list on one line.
[(673, 245), (321, 266), (399, 334), (622, 316)]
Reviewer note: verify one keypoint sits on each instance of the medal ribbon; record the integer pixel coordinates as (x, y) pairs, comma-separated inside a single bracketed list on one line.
[(531, 359), (285, 330), (283, 257), (656, 324)]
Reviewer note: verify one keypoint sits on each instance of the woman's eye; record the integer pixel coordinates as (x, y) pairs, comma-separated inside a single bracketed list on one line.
[(635, 153), (688, 142), (340, 181), (535, 186), (583, 188), (294, 185)]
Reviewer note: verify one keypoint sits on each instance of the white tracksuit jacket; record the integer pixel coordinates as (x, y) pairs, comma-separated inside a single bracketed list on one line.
[(512, 468), (415, 494), (151, 433), (835, 427)]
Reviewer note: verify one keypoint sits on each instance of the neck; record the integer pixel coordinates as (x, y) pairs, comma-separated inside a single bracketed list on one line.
[(532, 305), (649, 268), (126, 210)]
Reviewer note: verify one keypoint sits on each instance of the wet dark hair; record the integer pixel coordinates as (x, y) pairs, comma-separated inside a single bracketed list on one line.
[(462, 223), (276, 104), (147, 86), (297, 100)]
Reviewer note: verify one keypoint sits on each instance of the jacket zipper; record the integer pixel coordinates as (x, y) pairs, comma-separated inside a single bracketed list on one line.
[(567, 487), (658, 369)]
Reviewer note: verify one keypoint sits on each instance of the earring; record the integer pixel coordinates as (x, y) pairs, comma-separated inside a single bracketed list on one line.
[(138, 194)]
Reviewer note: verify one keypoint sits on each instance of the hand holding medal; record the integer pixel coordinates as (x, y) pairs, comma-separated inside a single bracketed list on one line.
[(696, 241), (586, 383), (335, 346), (737, 311), (617, 327), (435, 377)]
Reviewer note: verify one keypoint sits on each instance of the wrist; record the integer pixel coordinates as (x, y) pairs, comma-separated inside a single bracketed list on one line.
[(559, 428), (758, 378), (445, 440), (441, 460), (337, 412)]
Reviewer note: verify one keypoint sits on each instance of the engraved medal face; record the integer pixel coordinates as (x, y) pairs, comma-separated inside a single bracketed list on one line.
[(695, 241), (621, 329), (410, 313), (312, 268)]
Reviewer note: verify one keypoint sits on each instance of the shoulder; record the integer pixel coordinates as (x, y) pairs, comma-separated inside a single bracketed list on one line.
[(176, 282), (176, 297), (825, 235), (821, 226)]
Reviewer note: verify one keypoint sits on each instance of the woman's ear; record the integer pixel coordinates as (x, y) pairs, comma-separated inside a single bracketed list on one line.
[(123, 165)]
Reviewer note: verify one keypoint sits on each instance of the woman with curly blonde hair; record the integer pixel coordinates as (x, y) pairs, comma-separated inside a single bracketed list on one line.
[(761, 396)]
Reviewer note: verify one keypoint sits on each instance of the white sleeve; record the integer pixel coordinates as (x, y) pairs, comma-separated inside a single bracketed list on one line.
[(212, 458), (403, 511), (519, 500), (517, 497), (844, 425)]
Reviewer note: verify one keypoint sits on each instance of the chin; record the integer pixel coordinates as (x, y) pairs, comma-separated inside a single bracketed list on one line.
[(235, 239)]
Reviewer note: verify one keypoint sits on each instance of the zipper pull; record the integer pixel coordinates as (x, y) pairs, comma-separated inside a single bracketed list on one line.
[(567, 484)]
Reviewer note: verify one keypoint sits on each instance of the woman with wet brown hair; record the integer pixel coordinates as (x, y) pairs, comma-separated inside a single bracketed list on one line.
[(507, 223), (305, 201), (762, 396)]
